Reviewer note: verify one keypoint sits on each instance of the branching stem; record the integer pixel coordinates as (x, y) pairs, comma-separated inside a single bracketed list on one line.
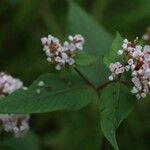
[(99, 88)]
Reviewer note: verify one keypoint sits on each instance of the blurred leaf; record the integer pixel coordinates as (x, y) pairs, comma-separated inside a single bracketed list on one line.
[(97, 41), (24, 12), (27, 142), (51, 23), (58, 93), (84, 59), (99, 7), (116, 104), (77, 130), (116, 45), (131, 18)]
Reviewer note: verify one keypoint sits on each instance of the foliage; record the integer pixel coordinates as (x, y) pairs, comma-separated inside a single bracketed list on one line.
[(58, 93), (108, 104)]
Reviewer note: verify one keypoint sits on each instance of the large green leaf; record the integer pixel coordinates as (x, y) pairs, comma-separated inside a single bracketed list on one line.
[(58, 93), (97, 42), (116, 104), (113, 56)]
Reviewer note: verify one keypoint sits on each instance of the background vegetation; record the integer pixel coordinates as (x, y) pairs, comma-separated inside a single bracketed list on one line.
[(22, 24)]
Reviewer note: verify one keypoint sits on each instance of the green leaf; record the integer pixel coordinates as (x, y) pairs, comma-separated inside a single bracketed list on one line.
[(116, 104), (84, 59), (97, 42), (27, 142), (58, 93), (112, 55)]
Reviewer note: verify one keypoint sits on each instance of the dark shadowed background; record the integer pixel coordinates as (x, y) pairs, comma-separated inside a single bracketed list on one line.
[(22, 24)]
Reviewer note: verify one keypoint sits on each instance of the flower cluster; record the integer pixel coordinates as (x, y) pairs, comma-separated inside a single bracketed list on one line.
[(13, 123), (59, 54), (8, 84), (136, 60)]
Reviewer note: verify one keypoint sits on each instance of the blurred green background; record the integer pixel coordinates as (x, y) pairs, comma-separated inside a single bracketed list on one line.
[(22, 24)]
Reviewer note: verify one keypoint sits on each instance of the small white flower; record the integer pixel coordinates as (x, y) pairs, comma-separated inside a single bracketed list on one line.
[(71, 61), (130, 62), (134, 90), (111, 78), (127, 68), (138, 47), (49, 59), (134, 73), (138, 96), (58, 59), (146, 90), (38, 91), (124, 46), (58, 67), (147, 57), (78, 41), (136, 54), (44, 40), (147, 71), (120, 52), (143, 95), (146, 49), (70, 38), (24, 88), (41, 83), (66, 43), (122, 69), (125, 41), (133, 67), (64, 56), (145, 37)]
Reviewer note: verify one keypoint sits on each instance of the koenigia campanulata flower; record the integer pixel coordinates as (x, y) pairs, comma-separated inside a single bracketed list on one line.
[(13, 123), (59, 54), (136, 61)]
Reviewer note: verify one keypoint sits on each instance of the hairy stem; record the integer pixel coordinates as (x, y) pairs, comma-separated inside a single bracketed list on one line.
[(99, 88)]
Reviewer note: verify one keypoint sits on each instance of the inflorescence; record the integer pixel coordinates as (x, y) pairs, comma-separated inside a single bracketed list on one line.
[(13, 123), (59, 54), (136, 60)]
